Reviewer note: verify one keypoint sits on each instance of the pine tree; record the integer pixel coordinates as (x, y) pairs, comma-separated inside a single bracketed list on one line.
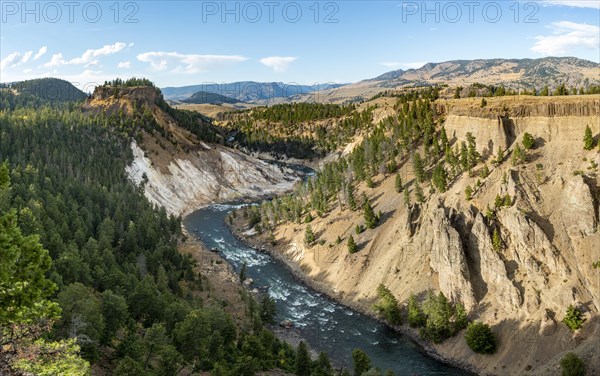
[(351, 198), (309, 236), (399, 185), (361, 361), (440, 178), (443, 139), (302, 367), (406, 196), (415, 315), (369, 215), (419, 194), (460, 317), (352, 247), (518, 155), (419, 167), (472, 154), (243, 272), (496, 241), (464, 156), (588, 139), (499, 156)]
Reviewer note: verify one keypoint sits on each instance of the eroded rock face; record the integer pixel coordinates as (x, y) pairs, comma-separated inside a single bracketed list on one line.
[(488, 263), (530, 246), (447, 258), (577, 208), (207, 176)]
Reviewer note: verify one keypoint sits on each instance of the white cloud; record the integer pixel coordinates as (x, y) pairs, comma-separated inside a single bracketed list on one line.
[(390, 64), (567, 35), (595, 4), (40, 53), (26, 56), (9, 60), (278, 63), (124, 64), (186, 63), (88, 58), (56, 60)]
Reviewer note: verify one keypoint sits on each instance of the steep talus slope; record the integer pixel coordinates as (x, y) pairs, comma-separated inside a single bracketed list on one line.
[(177, 169), (549, 236)]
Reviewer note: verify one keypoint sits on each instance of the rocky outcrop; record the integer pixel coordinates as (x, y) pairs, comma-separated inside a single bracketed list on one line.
[(447, 257), (487, 262), (577, 206), (207, 176)]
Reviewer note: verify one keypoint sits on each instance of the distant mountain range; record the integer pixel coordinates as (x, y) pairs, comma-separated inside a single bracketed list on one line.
[(525, 72), (246, 91), (512, 73)]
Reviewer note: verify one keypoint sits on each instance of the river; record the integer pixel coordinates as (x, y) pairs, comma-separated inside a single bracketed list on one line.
[(326, 325)]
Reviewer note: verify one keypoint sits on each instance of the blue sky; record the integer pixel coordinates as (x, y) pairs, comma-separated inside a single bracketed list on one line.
[(179, 43)]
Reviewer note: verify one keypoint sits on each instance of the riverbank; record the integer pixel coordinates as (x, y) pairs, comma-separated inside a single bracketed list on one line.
[(260, 243)]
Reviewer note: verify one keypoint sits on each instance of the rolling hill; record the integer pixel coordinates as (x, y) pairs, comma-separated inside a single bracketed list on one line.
[(204, 97), (49, 89)]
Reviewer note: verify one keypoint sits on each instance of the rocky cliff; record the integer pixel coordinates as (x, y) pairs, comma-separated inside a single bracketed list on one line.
[(548, 233)]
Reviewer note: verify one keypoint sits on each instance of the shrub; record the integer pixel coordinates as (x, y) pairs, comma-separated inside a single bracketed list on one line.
[(571, 365), (574, 318), (480, 338), (468, 192), (528, 141)]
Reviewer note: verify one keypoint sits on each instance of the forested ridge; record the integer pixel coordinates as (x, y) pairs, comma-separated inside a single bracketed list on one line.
[(396, 139), (117, 294), (297, 130)]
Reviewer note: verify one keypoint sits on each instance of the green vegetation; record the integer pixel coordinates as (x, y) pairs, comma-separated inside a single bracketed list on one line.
[(27, 313), (290, 129), (518, 155), (126, 293), (398, 183), (496, 241), (528, 141), (388, 306), (49, 90), (588, 139), (352, 247), (468, 193), (131, 82), (301, 112), (480, 338), (371, 219), (416, 318), (573, 318), (572, 365), (437, 317), (309, 236), (361, 361)]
